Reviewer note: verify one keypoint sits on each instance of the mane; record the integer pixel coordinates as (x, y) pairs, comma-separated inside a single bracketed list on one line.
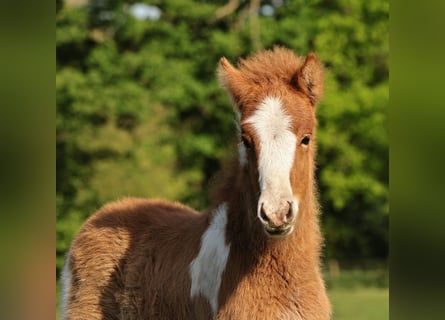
[(278, 64)]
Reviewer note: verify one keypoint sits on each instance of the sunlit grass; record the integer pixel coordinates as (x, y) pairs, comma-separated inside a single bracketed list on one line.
[(362, 303)]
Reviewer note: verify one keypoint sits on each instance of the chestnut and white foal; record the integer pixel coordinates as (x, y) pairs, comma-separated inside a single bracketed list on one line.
[(254, 254)]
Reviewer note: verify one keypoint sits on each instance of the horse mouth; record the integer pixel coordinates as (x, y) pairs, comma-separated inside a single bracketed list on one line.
[(280, 232)]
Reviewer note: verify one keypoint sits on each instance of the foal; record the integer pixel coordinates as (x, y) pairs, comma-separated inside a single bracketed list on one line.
[(254, 254)]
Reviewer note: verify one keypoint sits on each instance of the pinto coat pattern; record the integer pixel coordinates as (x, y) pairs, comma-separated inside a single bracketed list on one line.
[(254, 254)]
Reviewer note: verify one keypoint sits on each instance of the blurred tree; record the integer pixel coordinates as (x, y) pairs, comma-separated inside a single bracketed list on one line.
[(140, 112)]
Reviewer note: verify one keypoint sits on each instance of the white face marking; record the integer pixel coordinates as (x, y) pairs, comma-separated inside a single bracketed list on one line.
[(207, 268), (66, 286), (277, 150)]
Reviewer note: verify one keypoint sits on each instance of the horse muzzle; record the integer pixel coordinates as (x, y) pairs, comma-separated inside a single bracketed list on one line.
[(279, 218)]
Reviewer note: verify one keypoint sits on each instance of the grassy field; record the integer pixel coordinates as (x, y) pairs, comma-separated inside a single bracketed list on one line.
[(362, 303)]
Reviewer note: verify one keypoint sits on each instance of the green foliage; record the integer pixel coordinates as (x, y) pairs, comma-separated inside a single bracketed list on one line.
[(140, 113)]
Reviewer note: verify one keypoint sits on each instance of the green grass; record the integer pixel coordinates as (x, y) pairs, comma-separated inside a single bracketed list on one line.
[(361, 303)]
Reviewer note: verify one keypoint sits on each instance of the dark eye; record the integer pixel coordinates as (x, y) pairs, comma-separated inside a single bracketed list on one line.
[(305, 140), (246, 142)]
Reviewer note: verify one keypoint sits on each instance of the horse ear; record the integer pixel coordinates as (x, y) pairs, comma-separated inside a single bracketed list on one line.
[(231, 79), (309, 78)]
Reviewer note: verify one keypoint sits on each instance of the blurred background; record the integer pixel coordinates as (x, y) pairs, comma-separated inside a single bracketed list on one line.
[(140, 113)]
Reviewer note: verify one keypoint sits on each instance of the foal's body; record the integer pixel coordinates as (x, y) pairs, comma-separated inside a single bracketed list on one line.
[(254, 255)]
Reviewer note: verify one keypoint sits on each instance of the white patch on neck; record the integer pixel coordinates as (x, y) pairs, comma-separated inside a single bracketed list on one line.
[(207, 268), (277, 145), (66, 286)]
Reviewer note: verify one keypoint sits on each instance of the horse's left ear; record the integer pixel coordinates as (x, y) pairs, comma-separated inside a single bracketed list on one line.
[(309, 78)]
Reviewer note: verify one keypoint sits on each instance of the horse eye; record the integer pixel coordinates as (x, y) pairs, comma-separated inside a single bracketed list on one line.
[(246, 142), (305, 140)]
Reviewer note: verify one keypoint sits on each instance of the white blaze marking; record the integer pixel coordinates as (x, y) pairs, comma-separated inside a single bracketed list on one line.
[(66, 286), (277, 145), (276, 156), (207, 268)]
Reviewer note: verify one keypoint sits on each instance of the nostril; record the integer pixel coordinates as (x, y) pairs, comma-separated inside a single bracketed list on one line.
[(263, 214), (289, 211)]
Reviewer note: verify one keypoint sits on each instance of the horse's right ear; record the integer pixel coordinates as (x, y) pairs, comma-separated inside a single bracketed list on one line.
[(309, 78), (231, 79)]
